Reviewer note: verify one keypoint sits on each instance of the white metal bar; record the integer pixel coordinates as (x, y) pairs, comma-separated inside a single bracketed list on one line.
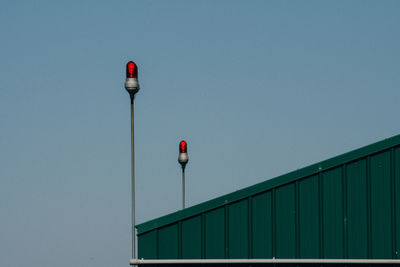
[(260, 261)]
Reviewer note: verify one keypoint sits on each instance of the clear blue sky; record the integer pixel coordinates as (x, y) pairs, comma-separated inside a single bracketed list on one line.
[(257, 88)]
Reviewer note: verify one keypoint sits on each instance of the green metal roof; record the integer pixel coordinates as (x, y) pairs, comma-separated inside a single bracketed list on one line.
[(269, 184)]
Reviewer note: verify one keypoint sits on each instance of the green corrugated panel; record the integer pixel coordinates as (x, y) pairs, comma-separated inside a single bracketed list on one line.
[(148, 244), (215, 234), (168, 242), (191, 238), (238, 238), (357, 210), (285, 222), (381, 232), (308, 218), (262, 226), (396, 199), (345, 207), (332, 210)]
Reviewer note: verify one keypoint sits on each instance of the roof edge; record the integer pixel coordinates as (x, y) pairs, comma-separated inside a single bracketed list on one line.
[(269, 184)]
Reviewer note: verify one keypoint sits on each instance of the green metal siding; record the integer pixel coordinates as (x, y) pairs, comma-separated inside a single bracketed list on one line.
[(215, 234), (332, 210), (148, 245), (308, 223), (191, 238), (357, 210), (381, 232), (238, 229), (285, 222), (168, 242), (261, 233), (345, 207), (396, 202)]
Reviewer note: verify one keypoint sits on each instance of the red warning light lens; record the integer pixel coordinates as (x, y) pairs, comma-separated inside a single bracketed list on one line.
[(182, 147), (131, 70)]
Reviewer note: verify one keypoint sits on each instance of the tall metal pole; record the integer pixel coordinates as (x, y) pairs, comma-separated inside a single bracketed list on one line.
[(133, 178), (132, 86), (183, 187)]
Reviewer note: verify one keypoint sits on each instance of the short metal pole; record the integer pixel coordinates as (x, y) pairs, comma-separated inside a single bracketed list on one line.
[(133, 179), (183, 187)]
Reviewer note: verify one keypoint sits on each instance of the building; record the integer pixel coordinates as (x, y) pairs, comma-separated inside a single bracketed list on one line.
[(346, 207)]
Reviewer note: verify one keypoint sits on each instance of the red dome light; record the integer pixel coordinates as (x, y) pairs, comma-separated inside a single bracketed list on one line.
[(182, 147), (131, 70)]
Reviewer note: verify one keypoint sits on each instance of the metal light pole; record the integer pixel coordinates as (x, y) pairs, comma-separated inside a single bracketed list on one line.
[(183, 187), (132, 86), (183, 160)]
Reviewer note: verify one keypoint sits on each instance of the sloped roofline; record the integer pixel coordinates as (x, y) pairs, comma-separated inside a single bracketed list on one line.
[(269, 184)]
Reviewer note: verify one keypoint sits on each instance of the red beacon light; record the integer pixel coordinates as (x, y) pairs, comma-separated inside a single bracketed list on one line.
[(183, 156), (131, 70), (132, 83), (183, 147)]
